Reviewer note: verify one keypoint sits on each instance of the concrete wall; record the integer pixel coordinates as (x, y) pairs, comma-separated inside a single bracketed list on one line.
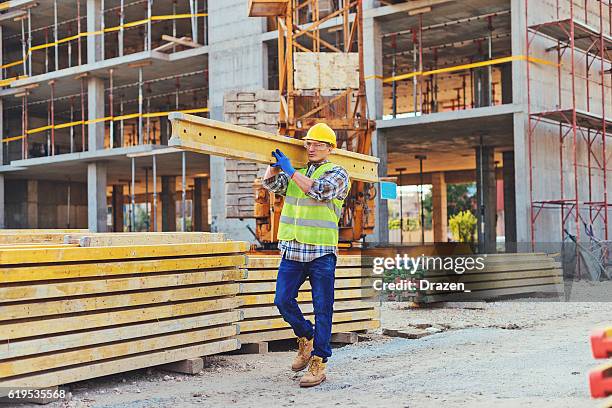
[(44, 204), (237, 61)]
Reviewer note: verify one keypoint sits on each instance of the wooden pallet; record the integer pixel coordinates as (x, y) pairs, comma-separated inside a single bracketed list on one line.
[(354, 306), (70, 313)]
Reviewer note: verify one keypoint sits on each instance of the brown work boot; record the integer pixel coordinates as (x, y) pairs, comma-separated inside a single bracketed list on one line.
[(315, 374), (303, 356)]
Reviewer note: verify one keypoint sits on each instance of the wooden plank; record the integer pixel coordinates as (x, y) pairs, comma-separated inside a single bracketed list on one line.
[(500, 268), (254, 348), (181, 41), (268, 299), (88, 287), (208, 136), (143, 238), (255, 337), (273, 261), (59, 342), (107, 269), (37, 363), (168, 45), (271, 274), (247, 326), (345, 338), (98, 369), (85, 304), (188, 366), (487, 277), (262, 287), (492, 293), (10, 331), (265, 311), (71, 254)]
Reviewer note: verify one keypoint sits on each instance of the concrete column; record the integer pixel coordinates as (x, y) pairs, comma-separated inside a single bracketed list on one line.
[(163, 131), (440, 216), (2, 219), (373, 69), (117, 203), (200, 204), (96, 172), (96, 197), (95, 43), (168, 203), (32, 204), (95, 110), (486, 193), (481, 87), (509, 201), (521, 119)]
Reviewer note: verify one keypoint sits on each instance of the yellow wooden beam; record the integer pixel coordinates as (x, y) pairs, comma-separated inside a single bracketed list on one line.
[(129, 299), (38, 273), (35, 364), (255, 337), (60, 324), (256, 275), (208, 136), (105, 285), (272, 311), (268, 298), (72, 254), (279, 323), (39, 345), (96, 369)]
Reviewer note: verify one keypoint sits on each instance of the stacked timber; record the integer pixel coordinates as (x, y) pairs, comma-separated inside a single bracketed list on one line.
[(355, 308), (35, 236), (256, 110), (71, 312), (503, 275)]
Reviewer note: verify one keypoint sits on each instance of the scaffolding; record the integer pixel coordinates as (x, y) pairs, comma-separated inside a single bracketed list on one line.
[(436, 82), (67, 117), (578, 42)]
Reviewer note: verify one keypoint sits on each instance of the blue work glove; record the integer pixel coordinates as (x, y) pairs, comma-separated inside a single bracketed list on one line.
[(283, 162)]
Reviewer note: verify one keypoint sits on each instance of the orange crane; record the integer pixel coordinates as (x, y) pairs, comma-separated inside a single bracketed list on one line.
[(321, 79)]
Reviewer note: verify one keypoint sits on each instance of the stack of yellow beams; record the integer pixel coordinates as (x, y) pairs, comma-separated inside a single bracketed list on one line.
[(354, 306), (509, 274), (69, 313)]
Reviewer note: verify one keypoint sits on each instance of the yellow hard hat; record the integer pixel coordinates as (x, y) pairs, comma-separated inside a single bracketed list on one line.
[(322, 133)]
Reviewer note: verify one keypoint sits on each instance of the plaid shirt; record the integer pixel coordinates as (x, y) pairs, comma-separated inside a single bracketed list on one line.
[(334, 183)]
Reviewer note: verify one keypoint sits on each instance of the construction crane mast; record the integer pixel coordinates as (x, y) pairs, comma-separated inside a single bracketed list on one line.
[(321, 79)]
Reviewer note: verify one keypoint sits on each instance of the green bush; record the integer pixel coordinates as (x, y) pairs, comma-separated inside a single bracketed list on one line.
[(463, 226)]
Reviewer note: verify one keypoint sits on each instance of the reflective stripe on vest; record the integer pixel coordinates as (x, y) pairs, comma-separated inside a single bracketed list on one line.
[(307, 220)]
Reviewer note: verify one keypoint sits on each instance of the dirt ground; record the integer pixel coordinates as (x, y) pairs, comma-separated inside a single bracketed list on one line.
[(526, 353)]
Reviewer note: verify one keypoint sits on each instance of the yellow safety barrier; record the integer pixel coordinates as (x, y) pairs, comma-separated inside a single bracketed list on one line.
[(8, 81), (98, 32), (98, 120), (462, 67)]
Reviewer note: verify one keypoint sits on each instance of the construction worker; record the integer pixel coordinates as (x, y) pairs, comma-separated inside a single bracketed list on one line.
[(308, 241)]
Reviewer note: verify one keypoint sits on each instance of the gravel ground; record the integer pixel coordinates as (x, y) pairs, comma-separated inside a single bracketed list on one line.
[(527, 353)]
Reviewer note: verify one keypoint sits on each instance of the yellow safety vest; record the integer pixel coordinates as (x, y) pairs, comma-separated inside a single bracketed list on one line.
[(307, 220)]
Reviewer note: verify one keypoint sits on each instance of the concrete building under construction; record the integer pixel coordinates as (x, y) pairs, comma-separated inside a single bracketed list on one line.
[(512, 95)]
